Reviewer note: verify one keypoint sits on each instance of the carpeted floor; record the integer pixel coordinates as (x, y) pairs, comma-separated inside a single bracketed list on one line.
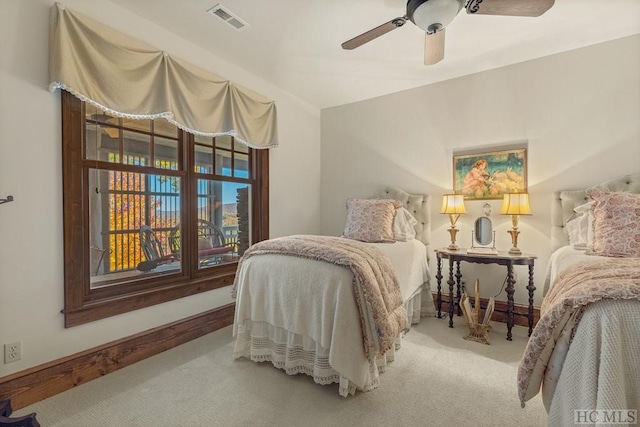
[(437, 379)]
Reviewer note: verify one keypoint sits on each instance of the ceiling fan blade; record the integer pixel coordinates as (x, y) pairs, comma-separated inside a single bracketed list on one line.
[(433, 47), (509, 7), (363, 38)]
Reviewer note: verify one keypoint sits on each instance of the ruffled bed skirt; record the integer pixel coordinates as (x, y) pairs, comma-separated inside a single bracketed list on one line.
[(299, 354)]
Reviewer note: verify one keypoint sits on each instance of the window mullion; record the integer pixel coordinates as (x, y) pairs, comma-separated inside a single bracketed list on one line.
[(188, 204)]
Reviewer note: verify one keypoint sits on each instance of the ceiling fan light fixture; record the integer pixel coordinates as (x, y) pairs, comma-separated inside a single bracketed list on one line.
[(433, 15)]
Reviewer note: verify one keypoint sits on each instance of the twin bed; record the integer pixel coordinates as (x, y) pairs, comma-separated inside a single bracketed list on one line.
[(304, 315), (584, 354)]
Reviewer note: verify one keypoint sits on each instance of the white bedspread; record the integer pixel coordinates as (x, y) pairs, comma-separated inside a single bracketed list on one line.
[(599, 367), (286, 300), (561, 259), (409, 261), (602, 366)]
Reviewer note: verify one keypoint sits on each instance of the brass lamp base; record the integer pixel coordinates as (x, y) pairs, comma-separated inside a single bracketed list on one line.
[(453, 246), (514, 240)]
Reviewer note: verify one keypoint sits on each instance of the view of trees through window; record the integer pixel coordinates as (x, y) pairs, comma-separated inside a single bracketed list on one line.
[(135, 216), (152, 213)]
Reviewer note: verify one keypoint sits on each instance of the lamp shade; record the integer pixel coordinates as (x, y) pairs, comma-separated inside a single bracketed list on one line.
[(515, 204), (453, 204)]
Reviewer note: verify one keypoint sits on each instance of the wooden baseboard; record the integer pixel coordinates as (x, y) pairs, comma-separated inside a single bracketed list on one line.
[(520, 312), (32, 385)]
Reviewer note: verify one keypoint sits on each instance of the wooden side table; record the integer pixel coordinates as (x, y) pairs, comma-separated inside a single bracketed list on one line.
[(502, 258)]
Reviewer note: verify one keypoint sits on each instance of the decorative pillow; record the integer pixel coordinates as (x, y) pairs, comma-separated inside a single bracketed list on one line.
[(616, 224), (370, 220), (403, 225), (577, 229), (580, 228), (586, 207)]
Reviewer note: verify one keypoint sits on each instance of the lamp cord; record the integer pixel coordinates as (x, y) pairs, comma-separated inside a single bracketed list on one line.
[(503, 285)]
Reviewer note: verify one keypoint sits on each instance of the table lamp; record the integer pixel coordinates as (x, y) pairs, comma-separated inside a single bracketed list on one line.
[(515, 204), (453, 204)]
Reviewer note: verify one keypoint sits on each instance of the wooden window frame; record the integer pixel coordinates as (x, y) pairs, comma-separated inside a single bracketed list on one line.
[(83, 304)]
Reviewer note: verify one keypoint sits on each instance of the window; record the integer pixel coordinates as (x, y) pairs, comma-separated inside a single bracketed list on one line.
[(152, 213)]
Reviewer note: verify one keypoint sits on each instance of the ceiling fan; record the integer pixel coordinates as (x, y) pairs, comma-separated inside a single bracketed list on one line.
[(433, 16)]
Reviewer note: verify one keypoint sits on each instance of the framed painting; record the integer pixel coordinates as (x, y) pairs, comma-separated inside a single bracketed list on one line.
[(490, 175)]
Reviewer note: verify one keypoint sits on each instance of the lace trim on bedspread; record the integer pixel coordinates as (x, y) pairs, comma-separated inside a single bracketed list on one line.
[(297, 354)]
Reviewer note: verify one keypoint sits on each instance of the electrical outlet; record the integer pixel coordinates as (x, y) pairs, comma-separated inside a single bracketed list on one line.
[(12, 352)]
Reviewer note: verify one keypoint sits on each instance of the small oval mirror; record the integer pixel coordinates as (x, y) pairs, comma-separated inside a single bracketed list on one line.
[(483, 230)]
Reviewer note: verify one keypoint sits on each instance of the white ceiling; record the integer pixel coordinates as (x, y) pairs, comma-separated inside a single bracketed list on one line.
[(295, 44)]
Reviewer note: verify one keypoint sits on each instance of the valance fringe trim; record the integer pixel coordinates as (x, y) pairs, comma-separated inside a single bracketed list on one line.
[(165, 115), (132, 80)]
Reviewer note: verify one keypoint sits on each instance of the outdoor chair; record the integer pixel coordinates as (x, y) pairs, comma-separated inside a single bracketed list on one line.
[(153, 251), (212, 245)]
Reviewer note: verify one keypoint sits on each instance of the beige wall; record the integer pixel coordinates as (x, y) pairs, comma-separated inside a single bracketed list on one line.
[(578, 111), (31, 258)]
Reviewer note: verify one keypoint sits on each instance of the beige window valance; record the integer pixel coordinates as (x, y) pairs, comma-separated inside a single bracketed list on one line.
[(128, 78)]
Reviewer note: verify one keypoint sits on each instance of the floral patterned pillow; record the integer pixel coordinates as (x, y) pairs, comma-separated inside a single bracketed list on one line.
[(370, 220), (616, 224)]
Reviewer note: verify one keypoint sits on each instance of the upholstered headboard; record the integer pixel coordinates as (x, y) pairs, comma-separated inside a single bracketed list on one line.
[(419, 205), (565, 201)]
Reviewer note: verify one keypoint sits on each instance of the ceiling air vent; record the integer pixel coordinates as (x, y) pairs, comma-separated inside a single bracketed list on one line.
[(229, 17)]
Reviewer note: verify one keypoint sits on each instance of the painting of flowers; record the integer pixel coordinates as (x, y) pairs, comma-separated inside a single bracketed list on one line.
[(490, 175)]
